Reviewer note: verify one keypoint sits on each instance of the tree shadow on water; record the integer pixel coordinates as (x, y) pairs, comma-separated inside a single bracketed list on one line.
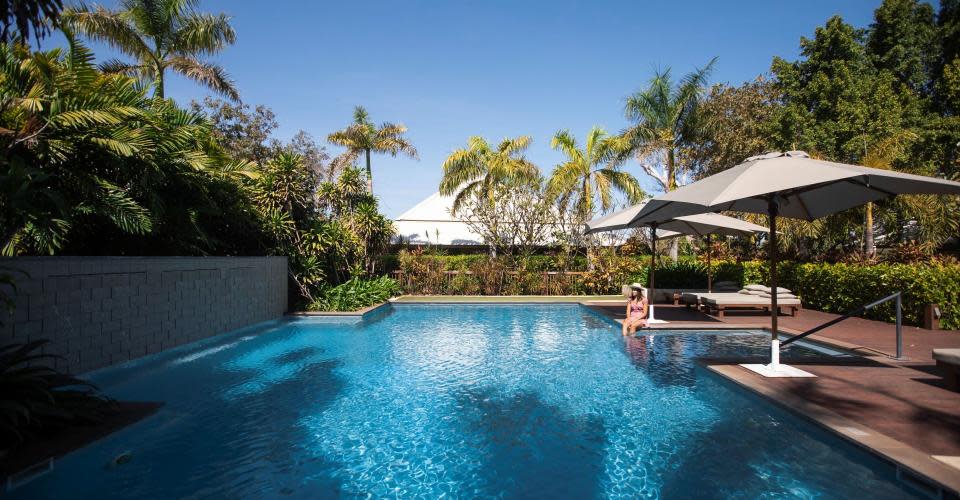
[(746, 455), (253, 444), (533, 449)]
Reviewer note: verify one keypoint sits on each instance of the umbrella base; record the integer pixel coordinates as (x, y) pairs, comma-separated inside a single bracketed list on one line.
[(778, 371)]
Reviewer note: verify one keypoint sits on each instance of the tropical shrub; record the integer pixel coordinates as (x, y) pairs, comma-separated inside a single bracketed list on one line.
[(36, 398), (355, 294), (611, 271), (423, 273), (682, 274), (464, 283), (90, 164)]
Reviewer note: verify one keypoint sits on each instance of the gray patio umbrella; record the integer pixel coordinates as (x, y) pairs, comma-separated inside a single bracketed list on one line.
[(791, 185), (705, 224)]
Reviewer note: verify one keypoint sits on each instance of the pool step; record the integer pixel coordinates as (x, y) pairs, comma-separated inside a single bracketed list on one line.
[(22, 477)]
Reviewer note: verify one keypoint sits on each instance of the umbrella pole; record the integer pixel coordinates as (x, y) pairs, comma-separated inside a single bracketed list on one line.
[(709, 268), (653, 266), (772, 210)]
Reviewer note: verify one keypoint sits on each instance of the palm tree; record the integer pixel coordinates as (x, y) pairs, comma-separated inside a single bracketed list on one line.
[(159, 35), (363, 136), (883, 155), (667, 119), (591, 174), (477, 169)]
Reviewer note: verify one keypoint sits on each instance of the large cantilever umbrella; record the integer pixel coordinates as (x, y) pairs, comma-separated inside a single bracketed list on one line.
[(705, 224), (791, 185)]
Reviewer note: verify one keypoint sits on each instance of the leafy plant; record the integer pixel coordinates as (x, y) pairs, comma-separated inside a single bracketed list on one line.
[(36, 398), (355, 294), (682, 274), (90, 163)]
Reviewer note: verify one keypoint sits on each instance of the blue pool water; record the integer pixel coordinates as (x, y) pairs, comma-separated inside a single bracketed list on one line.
[(463, 401)]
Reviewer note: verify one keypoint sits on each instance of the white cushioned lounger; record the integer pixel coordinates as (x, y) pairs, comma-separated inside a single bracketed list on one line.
[(696, 298), (739, 300)]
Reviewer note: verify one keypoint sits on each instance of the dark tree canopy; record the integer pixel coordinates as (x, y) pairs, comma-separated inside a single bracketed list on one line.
[(20, 17), (903, 40)]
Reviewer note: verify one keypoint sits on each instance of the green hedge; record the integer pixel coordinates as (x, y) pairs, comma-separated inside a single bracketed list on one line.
[(537, 263), (841, 287)]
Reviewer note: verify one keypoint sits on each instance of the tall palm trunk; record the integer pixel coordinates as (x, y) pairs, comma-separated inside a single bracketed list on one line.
[(369, 173), (586, 212), (158, 83), (671, 185), (869, 246)]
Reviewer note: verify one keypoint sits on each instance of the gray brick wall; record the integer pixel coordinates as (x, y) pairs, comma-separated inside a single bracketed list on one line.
[(99, 311)]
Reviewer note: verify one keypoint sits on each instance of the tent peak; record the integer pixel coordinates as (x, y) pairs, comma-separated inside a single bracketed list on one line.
[(779, 154)]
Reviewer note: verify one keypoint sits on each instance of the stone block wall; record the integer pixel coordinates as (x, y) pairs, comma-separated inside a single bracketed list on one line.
[(100, 311)]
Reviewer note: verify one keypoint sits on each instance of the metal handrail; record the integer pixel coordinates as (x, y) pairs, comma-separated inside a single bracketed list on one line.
[(856, 312)]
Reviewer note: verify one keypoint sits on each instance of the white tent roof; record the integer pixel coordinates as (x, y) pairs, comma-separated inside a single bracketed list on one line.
[(430, 221)]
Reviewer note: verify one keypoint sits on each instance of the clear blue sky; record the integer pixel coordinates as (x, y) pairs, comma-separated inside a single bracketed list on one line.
[(452, 69)]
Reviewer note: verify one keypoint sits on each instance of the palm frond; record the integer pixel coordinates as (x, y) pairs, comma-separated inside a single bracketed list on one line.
[(120, 208), (107, 26), (202, 33), (207, 74)]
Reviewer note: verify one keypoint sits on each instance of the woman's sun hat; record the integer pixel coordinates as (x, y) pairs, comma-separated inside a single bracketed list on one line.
[(636, 286)]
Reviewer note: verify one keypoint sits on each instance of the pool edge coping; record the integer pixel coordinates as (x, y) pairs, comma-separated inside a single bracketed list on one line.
[(359, 313)]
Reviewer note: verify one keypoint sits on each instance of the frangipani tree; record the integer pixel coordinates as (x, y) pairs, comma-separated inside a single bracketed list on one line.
[(159, 35), (365, 137)]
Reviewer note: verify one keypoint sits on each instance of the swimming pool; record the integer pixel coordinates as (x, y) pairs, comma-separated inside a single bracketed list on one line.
[(462, 400)]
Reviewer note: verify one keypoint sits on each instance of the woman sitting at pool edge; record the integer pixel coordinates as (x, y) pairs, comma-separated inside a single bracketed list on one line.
[(636, 310)]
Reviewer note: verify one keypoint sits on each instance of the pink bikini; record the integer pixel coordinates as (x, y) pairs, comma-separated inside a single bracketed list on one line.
[(636, 310)]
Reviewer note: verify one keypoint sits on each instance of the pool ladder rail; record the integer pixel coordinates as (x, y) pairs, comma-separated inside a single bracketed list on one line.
[(897, 297)]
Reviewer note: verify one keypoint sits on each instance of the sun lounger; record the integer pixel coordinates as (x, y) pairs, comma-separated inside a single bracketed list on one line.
[(738, 300), (948, 362), (691, 299)]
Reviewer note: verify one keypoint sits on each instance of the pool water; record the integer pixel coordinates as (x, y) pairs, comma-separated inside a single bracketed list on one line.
[(462, 401)]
